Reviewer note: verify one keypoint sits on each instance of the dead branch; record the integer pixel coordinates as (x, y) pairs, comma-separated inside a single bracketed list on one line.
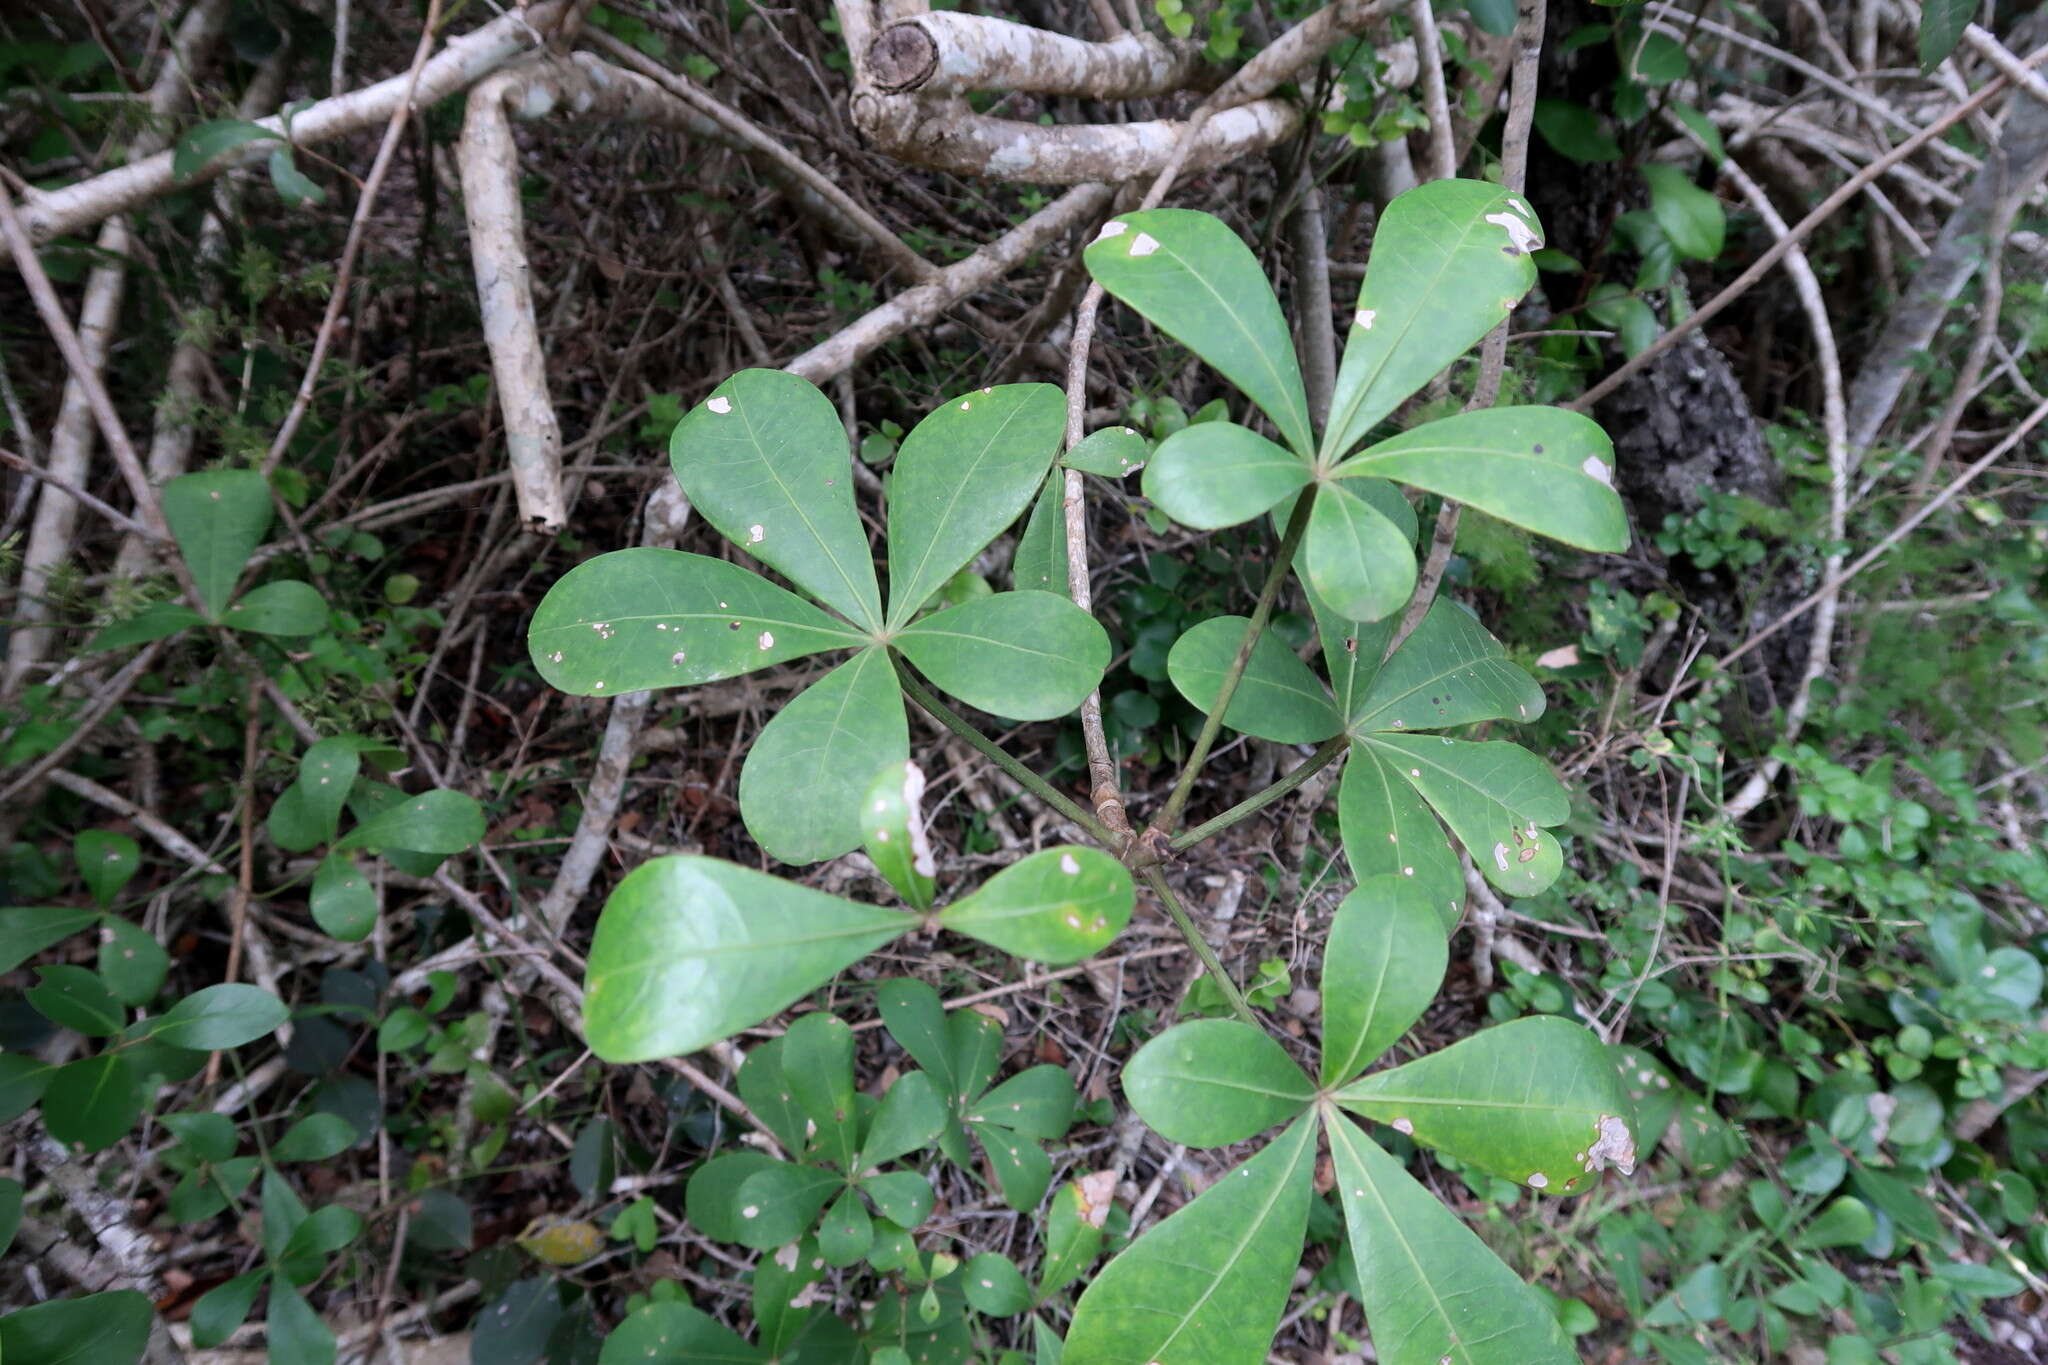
[(463, 61), (946, 53)]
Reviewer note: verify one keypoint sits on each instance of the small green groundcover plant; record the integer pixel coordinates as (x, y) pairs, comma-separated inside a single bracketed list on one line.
[(691, 950)]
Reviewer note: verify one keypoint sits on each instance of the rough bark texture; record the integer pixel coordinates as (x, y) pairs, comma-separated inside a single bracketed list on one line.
[(1684, 426), (953, 54)]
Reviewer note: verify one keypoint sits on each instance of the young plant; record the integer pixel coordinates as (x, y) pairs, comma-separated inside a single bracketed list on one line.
[(690, 950)]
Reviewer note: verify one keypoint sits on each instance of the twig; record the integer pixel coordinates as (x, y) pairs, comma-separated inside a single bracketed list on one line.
[(1429, 57), (1826, 209), (344, 273), (1329, 752)]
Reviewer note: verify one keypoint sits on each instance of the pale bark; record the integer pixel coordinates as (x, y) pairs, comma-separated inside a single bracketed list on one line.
[(73, 438), (946, 53), (461, 63), (915, 307), (947, 135)]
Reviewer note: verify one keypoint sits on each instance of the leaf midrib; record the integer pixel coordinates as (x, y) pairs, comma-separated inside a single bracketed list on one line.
[(870, 600)]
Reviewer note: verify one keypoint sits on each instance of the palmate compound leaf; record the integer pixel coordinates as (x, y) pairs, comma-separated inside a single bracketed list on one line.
[(1212, 1082), (1056, 906), (1206, 1287), (1545, 469), (1537, 1101), (1277, 697), (964, 473), (802, 783), (764, 459), (1382, 965), (1019, 655), (1216, 474), (1449, 261), (635, 620), (1192, 277), (689, 950), (1432, 1291), (1498, 798)]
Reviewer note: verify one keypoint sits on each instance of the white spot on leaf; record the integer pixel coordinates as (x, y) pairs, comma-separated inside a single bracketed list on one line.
[(1614, 1147), (1404, 1126), (1596, 468), (720, 405), (1115, 227), (1500, 856), (921, 860), (755, 533), (1538, 1180), (1069, 866), (766, 641), (1520, 235), (1364, 318), (1143, 244)]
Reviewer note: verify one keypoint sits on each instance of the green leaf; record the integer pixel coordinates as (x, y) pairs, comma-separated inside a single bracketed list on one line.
[(514, 1328), (1073, 1237), (132, 963), (1037, 1102), (1655, 59), (675, 1334), (1449, 261), (1432, 1291), (22, 1082), (1382, 965), (440, 1221), (711, 1199), (74, 998), (802, 783), (908, 1118), (157, 622), (779, 1202), (199, 147), (1704, 127), (1019, 655), (26, 930), (1536, 1101), (847, 1231), (916, 1019), (1845, 1222), (1494, 796), (1493, 16), (315, 1137), (93, 1103), (1216, 474), (1213, 1082), (433, 822), (905, 1198), (209, 1137), (1545, 469), (107, 861), (690, 950), (1575, 132), (343, 902), (993, 1284), (817, 1066), (218, 518), (1388, 831), (640, 619), (1192, 277), (10, 1212), (765, 460), (286, 607), (220, 1310), (1112, 452), (1022, 1169), (322, 1233), (292, 184), (1040, 564), (1277, 697), (1690, 216), (1056, 906), (97, 1329), (219, 1017), (1941, 27), (965, 473), (1206, 1287), (309, 812), (893, 831), (1355, 558), (1449, 672)]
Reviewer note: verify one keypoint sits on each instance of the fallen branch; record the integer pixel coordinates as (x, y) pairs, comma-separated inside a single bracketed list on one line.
[(463, 61), (946, 53)]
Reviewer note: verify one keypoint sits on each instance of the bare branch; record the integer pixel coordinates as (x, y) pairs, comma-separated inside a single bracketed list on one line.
[(946, 53)]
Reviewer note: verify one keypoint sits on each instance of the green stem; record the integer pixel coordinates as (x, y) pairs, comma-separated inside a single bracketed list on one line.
[(1251, 805), (1030, 781), (1297, 526), (1155, 879)]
